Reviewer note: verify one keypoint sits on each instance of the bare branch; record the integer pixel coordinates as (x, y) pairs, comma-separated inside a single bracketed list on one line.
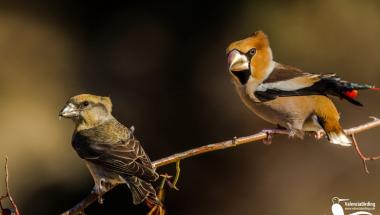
[(79, 208), (248, 139), (263, 135), (8, 194), (362, 156)]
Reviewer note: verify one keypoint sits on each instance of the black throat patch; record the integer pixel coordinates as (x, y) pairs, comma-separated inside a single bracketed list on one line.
[(243, 75)]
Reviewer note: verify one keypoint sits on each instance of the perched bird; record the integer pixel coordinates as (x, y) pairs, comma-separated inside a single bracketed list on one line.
[(285, 95), (111, 152), (336, 208)]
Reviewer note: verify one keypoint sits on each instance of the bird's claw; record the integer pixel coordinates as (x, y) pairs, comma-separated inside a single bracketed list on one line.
[(99, 195), (100, 200), (318, 134), (100, 189), (292, 133), (270, 132)]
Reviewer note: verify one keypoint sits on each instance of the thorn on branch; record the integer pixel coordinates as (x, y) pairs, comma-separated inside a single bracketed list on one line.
[(234, 140)]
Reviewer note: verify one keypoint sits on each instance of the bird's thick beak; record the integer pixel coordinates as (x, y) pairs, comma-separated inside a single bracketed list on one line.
[(237, 61), (69, 111), (343, 200)]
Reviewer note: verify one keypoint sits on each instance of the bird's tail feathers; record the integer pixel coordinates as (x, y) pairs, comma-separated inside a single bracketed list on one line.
[(344, 89), (157, 210), (142, 191), (339, 138), (328, 119)]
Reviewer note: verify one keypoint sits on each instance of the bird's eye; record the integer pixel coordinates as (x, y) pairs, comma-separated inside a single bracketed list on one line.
[(252, 51), (85, 104)]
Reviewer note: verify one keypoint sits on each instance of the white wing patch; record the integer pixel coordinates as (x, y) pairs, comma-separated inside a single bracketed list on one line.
[(291, 84)]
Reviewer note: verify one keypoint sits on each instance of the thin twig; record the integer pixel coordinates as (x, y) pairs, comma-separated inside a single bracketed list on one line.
[(1, 205), (8, 194), (8, 190), (248, 139), (361, 155), (263, 135), (87, 201), (177, 174)]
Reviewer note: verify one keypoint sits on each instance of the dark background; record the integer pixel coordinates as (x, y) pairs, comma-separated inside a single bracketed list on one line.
[(163, 65)]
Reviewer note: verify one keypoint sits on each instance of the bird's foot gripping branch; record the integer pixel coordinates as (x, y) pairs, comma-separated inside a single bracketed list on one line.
[(263, 135)]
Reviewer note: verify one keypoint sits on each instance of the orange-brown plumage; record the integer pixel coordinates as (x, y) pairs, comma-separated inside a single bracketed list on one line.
[(285, 95), (263, 56)]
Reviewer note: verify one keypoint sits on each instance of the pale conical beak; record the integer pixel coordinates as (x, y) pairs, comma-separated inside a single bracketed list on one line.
[(237, 61), (69, 111), (343, 200)]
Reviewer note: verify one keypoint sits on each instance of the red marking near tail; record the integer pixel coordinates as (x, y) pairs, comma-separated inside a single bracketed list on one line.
[(352, 94), (375, 88)]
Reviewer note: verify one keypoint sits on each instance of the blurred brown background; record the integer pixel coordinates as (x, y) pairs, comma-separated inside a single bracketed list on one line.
[(164, 67)]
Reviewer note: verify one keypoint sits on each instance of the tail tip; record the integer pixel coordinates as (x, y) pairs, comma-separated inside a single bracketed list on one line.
[(339, 139)]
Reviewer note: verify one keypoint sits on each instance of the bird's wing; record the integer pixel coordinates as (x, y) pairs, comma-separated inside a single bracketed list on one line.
[(289, 81), (126, 158)]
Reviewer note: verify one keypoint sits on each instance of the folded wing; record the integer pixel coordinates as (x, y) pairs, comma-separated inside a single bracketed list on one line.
[(289, 81)]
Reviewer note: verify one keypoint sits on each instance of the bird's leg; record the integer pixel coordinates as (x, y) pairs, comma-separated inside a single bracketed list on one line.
[(295, 129), (292, 133), (97, 192), (100, 188)]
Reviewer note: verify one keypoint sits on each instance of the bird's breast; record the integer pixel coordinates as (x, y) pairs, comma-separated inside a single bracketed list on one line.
[(281, 110)]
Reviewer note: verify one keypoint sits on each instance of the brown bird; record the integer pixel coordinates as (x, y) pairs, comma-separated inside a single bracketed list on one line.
[(111, 152), (285, 95)]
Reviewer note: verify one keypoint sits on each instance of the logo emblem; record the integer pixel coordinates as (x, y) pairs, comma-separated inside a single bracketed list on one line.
[(358, 208)]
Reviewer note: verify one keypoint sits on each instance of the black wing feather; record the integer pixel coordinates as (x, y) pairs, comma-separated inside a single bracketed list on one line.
[(328, 84), (126, 157)]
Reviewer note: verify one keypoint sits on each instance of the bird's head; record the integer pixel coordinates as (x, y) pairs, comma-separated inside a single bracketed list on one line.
[(249, 57), (336, 200), (87, 110)]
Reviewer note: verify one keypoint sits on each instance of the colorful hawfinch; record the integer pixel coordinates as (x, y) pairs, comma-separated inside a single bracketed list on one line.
[(285, 95), (111, 152)]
